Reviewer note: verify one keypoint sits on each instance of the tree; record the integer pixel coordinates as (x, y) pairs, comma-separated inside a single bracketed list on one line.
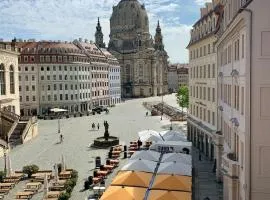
[(183, 98), (30, 169)]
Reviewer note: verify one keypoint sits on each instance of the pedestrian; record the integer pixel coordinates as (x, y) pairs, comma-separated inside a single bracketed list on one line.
[(61, 138), (93, 126), (98, 126), (146, 114), (139, 142), (200, 156)]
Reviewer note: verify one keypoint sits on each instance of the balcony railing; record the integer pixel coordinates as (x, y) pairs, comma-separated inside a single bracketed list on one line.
[(230, 165)]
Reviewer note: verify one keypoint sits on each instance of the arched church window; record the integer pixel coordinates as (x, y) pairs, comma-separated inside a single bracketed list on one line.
[(11, 79), (2, 80)]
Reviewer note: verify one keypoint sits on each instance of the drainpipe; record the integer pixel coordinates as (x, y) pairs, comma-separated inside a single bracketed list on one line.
[(248, 186)]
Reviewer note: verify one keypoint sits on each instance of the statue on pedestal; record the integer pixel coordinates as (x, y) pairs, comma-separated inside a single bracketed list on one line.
[(106, 134)]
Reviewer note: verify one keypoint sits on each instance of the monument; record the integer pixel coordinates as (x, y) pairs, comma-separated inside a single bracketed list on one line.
[(107, 140)]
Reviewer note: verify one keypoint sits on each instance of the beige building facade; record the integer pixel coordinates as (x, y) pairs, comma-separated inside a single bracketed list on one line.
[(202, 117), (243, 98), (9, 83), (143, 61)]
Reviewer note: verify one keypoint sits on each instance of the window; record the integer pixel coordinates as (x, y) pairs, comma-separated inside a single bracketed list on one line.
[(55, 97), (25, 59), (65, 68), (54, 77), (48, 77), (209, 47), (42, 78), (49, 87), (60, 87), (48, 68), (213, 118), (61, 97), (66, 97), (27, 88), (54, 68), (27, 98), (229, 54), (208, 116), (34, 98), (236, 50), (209, 71), (33, 77), (54, 87), (242, 100), (32, 68), (41, 58), (208, 94), (20, 88), (213, 71), (42, 68), (20, 98), (66, 77), (33, 88), (243, 46), (213, 94), (49, 97), (11, 80), (2, 80), (26, 78), (60, 77)]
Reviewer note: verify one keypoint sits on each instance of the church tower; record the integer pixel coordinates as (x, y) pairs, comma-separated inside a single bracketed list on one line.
[(99, 36), (159, 39)]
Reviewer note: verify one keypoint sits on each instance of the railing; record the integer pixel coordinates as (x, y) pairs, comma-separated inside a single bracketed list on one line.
[(30, 122), (10, 115), (230, 165)]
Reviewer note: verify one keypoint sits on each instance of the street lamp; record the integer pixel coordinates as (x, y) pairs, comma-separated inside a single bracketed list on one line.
[(161, 106), (58, 110)]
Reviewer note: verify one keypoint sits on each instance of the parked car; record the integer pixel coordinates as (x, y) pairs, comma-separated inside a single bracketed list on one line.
[(99, 109)]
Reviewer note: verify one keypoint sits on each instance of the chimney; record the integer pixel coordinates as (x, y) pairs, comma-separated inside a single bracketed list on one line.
[(203, 12)]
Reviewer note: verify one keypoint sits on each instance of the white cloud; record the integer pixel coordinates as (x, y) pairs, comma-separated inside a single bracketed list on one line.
[(71, 19), (202, 2)]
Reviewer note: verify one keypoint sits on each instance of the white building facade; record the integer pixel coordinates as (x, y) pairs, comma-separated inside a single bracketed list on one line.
[(202, 117), (243, 98), (53, 74)]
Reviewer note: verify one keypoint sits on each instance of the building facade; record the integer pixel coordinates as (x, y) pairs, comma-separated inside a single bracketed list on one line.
[(183, 74), (9, 83), (243, 98), (172, 78), (202, 117), (100, 72), (53, 74), (178, 75), (143, 61)]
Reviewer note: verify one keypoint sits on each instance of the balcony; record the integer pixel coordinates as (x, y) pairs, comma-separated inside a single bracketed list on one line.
[(230, 165)]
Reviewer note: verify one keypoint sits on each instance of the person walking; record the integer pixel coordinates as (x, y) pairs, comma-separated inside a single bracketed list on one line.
[(61, 138), (93, 126), (98, 126)]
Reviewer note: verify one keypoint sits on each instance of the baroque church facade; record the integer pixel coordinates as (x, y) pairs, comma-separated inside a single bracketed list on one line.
[(143, 61)]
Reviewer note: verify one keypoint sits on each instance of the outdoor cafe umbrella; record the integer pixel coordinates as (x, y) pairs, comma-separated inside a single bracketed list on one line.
[(123, 192), (140, 165), (177, 157), (174, 168), (170, 195), (146, 155), (9, 168), (173, 136), (132, 178), (172, 182), (56, 110), (149, 135)]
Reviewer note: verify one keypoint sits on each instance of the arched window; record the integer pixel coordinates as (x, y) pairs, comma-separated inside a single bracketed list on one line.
[(11, 79), (2, 80)]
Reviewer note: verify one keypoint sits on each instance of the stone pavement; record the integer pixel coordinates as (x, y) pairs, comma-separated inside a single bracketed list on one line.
[(125, 120), (205, 184)]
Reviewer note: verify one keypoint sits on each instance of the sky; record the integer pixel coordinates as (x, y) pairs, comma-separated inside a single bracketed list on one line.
[(67, 20)]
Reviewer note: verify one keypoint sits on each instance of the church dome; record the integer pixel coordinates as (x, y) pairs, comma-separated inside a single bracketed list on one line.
[(130, 18)]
